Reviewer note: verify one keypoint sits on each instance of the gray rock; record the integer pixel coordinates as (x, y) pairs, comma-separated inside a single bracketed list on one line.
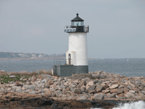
[(2, 90), (44, 81), (99, 96), (77, 91), (83, 97), (138, 82), (143, 92), (121, 90), (114, 86), (41, 91), (129, 87), (95, 76), (111, 95), (26, 91), (14, 89), (132, 91), (83, 89), (47, 76), (91, 88), (102, 76), (46, 86), (129, 95), (99, 88), (83, 82), (19, 90), (33, 92), (64, 96), (32, 87), (99, 82), (58, 93), (54, 106), (121, 86), (52, 89), (66, 107), (62, 87)]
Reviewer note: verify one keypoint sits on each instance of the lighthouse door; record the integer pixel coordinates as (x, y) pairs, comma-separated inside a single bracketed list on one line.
[(69, 59)]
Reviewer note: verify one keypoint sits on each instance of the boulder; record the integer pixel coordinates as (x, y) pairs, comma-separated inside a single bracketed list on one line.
[(120, 90), (129, 95), (18, 83), (46, 85), (82, 83), (138, 82), (77, 91), (91, 88), (99, 88), (54, 106), (113, 90), (83, 89), (114, 86), (126, 89), (92, 91), (121, 86), (143, 92), (31, 87), (91, 83), (58, 93), (129, 87), (132, 91), (83, 97), (66, 83), (99, 96), (111, 95), (19, 90), (44, 81), (95, 76), (33, 92), (120, 95), (106, 91), (87, 87)]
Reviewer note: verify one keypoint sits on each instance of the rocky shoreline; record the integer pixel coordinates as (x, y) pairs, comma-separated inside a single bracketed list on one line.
[(95, 88)]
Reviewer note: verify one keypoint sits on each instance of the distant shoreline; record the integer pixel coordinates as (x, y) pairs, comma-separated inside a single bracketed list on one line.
[(38, 58), (33, 58)]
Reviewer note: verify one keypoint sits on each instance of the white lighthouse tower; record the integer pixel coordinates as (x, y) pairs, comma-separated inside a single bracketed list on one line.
[(77, 47), (76, 56)]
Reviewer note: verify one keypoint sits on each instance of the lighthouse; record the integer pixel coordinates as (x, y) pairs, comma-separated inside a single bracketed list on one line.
[(76, 56)]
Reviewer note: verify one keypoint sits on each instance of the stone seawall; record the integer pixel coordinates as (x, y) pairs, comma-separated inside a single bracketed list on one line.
[(79, 87)]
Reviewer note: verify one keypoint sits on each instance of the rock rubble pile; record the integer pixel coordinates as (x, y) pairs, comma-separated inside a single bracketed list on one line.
[(98, 85)]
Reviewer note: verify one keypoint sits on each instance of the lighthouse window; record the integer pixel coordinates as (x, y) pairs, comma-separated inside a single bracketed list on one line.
[(72, 23), (77, 23)]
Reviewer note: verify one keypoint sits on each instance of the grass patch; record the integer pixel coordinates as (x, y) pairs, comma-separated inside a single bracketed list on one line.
[(6, 78)]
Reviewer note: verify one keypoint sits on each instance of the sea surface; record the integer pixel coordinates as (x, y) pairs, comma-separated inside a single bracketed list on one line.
[(130, 67)]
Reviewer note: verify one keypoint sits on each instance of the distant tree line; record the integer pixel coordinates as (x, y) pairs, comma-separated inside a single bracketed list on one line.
[(27, 55)]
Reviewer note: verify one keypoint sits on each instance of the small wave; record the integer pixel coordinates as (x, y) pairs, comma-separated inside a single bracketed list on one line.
[(132, 105)]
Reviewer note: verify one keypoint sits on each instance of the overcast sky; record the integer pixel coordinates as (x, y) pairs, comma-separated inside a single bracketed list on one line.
[(117, 27)]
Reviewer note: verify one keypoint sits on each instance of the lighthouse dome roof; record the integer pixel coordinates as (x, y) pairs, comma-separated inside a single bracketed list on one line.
[(77, 18)]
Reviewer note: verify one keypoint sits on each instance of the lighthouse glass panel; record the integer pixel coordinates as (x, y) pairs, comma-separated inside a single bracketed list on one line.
[(77, 23)]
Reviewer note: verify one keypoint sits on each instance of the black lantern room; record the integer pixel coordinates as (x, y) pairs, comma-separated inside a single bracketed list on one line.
[(77, 21), (77, 25)]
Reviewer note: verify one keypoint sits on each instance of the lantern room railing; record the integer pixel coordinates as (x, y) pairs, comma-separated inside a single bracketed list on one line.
[(69, 29)]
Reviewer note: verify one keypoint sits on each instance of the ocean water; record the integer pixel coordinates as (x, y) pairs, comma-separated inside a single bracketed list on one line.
[(131, 105), (128, 67)]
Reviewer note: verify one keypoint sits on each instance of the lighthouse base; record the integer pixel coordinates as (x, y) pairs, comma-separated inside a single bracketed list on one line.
[(68, 70)]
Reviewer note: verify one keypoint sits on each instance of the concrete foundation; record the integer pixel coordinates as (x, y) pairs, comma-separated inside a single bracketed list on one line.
[(68, 70)]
